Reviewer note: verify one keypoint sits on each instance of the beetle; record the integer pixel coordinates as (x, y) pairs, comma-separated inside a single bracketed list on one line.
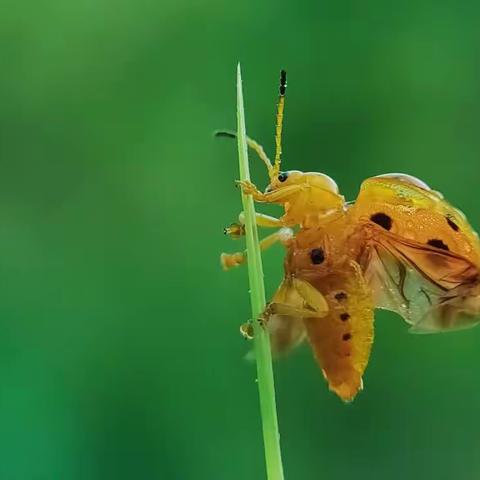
[(399, 246)]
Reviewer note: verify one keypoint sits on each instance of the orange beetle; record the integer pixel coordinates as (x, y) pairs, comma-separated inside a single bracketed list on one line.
[(399, 246)]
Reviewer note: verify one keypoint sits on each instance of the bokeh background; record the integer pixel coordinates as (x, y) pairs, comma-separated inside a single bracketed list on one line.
[(120, 356)]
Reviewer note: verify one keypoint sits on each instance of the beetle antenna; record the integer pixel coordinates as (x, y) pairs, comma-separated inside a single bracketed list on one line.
[(252, 144), (278, 128)]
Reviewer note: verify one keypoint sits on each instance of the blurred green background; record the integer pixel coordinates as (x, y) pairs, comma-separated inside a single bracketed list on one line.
[(120, 356)]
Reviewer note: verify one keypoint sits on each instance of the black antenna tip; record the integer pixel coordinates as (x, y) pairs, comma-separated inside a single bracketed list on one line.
[(283, 82), (223, 133)]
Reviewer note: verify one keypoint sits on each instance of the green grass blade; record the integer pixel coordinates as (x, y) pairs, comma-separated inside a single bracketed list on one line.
[(263, 354)]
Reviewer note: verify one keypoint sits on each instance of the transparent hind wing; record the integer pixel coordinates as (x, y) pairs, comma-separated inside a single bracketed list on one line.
[(432, 289)]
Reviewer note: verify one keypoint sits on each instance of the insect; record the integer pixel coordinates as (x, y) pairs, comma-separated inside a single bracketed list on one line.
[(399, 246)]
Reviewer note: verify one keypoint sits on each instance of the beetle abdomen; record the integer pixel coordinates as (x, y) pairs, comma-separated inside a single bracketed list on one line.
[(342, 340)]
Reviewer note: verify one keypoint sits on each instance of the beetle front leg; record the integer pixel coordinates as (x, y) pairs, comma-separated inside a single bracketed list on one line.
[(248, 188), (280, 195)]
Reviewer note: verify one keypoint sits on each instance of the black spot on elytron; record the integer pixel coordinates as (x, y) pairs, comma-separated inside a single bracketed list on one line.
[(317, 256), (435, 242), (452, 224), (340, 296), (346, 336), (382, 219), (344, 317)]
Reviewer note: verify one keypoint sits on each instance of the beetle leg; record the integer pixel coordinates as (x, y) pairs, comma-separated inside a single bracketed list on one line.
[(297, 297), (229, 260), (248, 188), (237, 230), (286, 309), (277, 196), (312, 297), (262, 220), (246, 330)]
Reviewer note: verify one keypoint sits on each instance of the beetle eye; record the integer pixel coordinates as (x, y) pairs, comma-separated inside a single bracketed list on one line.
[(283, 176)]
